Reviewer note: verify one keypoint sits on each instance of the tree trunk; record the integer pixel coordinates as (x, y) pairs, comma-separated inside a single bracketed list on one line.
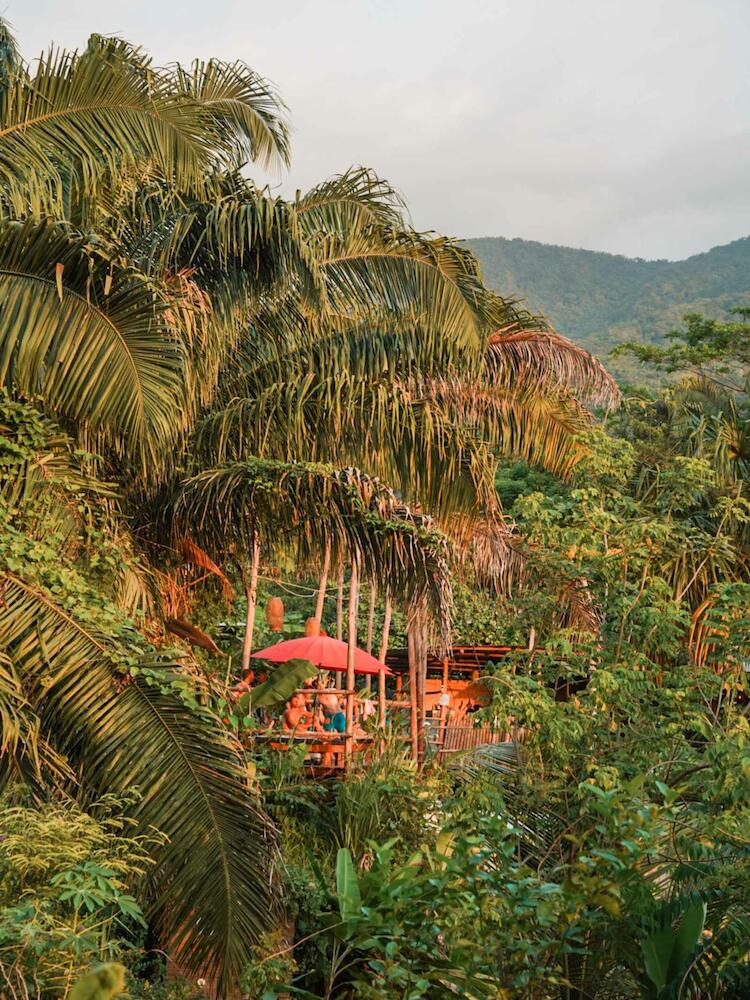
[(340, 605), (323, 582), (351, 646), (251, 593)]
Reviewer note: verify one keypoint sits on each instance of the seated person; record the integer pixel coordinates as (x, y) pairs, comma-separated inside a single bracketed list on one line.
[(298, 717), (328, 701), (243, 686), (335, 720)]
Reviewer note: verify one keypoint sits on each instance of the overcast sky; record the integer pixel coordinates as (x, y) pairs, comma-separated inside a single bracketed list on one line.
[(618, 125)]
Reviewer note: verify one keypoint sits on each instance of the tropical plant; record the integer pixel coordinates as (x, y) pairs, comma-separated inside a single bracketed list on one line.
[(68, 879)]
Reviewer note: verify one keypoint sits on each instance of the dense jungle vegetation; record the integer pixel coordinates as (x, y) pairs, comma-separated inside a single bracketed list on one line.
[(212, 395)]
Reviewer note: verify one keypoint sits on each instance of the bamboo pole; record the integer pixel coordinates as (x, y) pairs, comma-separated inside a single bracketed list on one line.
[(443, 705), (251, 592), (386, 627), (320, 603), (421, 675), (370, 627), (350, 648), (382, 655), (339, 613), (413, 723), (371, 614)]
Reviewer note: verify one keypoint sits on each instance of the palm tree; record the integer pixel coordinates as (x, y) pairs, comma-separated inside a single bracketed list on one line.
[(215, 345)]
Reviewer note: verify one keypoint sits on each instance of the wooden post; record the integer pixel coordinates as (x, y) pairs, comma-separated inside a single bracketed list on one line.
[(339, 614), (381, 657), (340, 605), (371, 624), (443, 705), (413, 723), (371, 614), (421, 675), (351, 646), (323, 582), (386, 627), (251, 592)]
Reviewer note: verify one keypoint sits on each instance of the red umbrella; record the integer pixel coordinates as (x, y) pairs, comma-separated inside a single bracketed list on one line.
[(322, 651)]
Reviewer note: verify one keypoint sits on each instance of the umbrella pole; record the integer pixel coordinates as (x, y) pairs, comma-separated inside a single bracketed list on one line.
[(351, 646), (251, 592)]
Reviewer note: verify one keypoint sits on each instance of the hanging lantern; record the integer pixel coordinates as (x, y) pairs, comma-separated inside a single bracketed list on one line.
[(275, 614), (312, 626)]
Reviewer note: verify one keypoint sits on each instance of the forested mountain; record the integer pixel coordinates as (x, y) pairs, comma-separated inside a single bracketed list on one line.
[(601, 299)]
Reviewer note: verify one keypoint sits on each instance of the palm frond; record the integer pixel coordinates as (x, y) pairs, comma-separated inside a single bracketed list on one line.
[(544, 358), (487, 549), (355, 200), (211, 891), (81, 118), (24, 750), (109, 363), (244, 109)]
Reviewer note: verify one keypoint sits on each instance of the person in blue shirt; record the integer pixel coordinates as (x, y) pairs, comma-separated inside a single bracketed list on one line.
[(334, 720)]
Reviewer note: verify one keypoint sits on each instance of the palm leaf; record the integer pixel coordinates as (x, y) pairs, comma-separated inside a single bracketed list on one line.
[(545, 358), (109, 364), (211, 888), (245, 110), (24, 751), (82, 118), (306, 505)]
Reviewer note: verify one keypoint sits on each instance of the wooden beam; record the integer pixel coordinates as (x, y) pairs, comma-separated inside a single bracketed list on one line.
[(339, 613)]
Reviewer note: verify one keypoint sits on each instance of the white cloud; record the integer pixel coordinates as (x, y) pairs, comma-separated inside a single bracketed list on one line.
[(613, 124)]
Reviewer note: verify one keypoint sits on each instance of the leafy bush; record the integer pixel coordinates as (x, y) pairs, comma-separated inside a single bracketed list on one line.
[(66, 891)]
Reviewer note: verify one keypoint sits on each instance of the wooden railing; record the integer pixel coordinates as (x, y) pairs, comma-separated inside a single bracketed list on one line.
[(446, 738)]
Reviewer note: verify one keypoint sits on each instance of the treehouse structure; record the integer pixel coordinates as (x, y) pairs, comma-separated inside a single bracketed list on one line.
[(442, 710)]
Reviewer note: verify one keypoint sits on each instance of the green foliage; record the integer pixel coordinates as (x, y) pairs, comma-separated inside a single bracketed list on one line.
[(186, 359), (667, 951), (67, 880)]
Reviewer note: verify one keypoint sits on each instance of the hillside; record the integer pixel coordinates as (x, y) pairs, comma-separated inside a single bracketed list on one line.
[(601, 299)]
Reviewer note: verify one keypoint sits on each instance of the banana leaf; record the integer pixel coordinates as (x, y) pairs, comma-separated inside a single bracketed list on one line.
[(285, 680)]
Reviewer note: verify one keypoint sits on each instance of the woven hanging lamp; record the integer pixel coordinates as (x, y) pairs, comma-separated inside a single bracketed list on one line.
[(275, 614)]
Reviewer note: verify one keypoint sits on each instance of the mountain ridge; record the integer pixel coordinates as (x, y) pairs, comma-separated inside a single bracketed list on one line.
[(600, 299)]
